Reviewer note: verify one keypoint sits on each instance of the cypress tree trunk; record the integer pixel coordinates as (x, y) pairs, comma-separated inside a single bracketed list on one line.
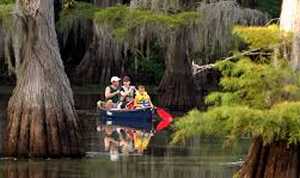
[(276, 160), (296, 43), (41, 117), (288, 15), (104, 58), (177, 90)]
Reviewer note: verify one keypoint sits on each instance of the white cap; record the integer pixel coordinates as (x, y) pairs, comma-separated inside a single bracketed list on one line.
[(115, 79)]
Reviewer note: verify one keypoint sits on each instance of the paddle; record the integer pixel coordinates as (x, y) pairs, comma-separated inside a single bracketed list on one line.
[(166, 117)]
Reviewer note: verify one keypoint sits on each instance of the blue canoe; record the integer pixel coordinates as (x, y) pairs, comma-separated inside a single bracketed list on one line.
[(137, 119)]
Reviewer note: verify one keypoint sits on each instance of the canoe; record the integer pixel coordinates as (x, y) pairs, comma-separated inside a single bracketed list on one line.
[(138, 119)]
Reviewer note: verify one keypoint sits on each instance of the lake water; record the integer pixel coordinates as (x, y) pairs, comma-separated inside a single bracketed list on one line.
[(200, 158)]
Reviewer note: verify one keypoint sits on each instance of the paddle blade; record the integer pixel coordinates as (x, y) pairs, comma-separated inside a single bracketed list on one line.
[(162, 125), (166, 117)]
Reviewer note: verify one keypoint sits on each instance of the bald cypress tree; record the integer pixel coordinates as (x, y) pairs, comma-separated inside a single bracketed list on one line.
[(42, 121)]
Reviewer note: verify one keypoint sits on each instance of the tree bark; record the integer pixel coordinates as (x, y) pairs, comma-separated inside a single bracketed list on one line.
[(288, 14), (177, 89), (42, 121), (275, 160), (104, 58), (296, 42)]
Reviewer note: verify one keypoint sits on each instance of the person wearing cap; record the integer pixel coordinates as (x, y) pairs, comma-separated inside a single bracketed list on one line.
[(112, 92), (127, 92)]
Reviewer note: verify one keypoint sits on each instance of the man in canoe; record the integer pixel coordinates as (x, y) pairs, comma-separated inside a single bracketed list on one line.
[(112, 92)]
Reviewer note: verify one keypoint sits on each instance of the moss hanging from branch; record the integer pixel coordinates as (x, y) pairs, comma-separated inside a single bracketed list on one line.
[(214, 32), (75, 20), (117, 31), (6, 15), (6, 26), (173, 6), (124, 20)]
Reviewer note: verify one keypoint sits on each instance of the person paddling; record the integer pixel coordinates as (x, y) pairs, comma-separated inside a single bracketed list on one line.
[(112, 92)]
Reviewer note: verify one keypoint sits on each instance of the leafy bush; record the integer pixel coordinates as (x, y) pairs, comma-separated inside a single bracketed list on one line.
[(261, 37), (150, 68), (272, 7), (7, 1), (258, 99)]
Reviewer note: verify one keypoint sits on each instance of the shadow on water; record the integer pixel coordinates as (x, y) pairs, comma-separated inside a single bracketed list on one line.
[(200, 158)]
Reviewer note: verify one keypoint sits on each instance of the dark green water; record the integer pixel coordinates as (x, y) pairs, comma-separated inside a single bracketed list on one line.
[(201, 158)]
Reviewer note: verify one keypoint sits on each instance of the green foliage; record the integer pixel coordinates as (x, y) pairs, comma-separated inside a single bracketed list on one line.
[(68, 4), (258, 85), (150, 69), (5, 2), (5, 15), (258, 99), (236, 175), (70, 16), (272, 7), (121, 19), (261, 37), (124, 20)]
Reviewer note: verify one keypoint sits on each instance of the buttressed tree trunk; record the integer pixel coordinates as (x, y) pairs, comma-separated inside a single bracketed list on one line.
[(177, 88), (276, 160), (41, 117)]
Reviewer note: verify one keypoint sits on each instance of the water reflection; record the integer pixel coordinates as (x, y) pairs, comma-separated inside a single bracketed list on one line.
[(202, 158), (131, 167)]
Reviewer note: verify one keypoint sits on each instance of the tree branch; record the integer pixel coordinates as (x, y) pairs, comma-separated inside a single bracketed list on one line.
[(200, 68)]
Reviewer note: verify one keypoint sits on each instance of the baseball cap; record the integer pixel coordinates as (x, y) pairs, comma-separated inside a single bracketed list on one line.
[(115, 79)]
